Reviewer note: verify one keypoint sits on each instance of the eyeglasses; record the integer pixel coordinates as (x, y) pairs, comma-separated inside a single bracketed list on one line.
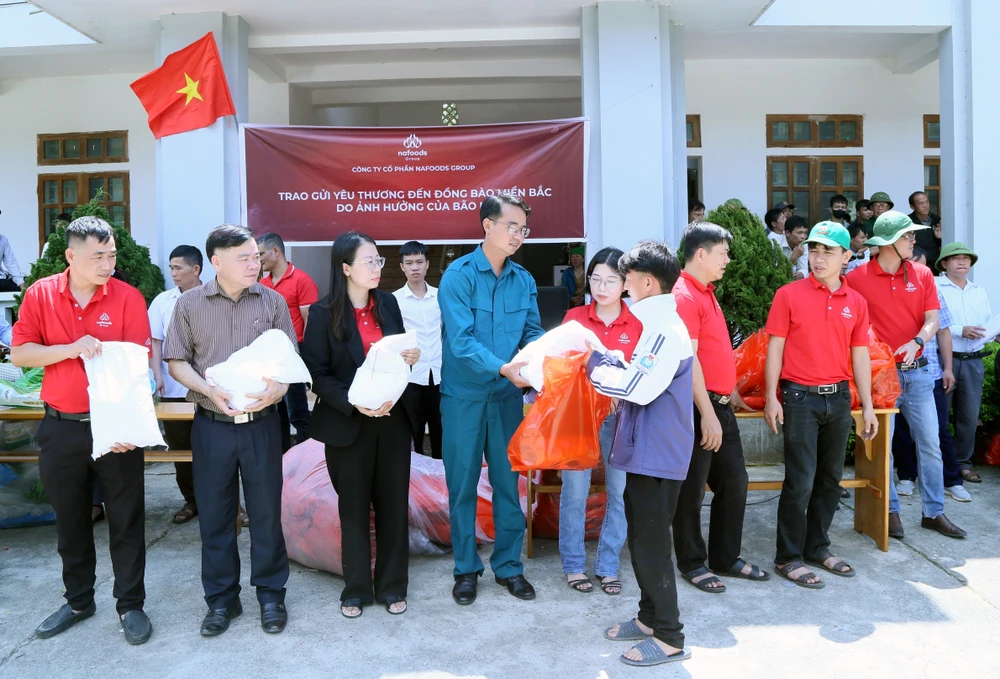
[(910, 236), (374, 264), (609, 282), (515, 229)]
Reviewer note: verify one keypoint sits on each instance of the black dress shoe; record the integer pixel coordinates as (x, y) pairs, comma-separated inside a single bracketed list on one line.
[(62, 620), (273, 617), (464, 591), (895, 526), (217, 620), (518, 586), (137, 627), (943, 525)]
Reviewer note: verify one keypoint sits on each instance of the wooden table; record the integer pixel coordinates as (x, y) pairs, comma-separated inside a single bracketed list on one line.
[(872, 477)]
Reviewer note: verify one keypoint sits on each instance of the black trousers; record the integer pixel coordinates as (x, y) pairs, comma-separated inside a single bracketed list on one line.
[(374, 471), (177, 434), (815, 432), (649, 510), (428, 412), (223, 453), (8, 285), (726, 474), (68, 473), (296, 412)]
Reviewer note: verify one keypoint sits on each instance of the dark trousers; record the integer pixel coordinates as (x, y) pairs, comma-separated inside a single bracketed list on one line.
[(964, 400), (223, 453), (904, 450), (815, 432), (8, 285), (297, 407), (374, 471), (68, 473), (649, 510), (726, 474), (427, 399), (177, 434)]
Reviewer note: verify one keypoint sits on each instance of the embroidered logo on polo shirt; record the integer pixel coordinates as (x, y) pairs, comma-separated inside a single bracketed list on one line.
[(104, 321), (846, 313), (624, 339), (910, 287), (646, 364)]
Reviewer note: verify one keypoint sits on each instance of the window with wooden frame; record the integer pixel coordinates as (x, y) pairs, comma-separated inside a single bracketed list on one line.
[(815, 131), (932, 182), (693, 131), (809, 182), (59, 193), (83, 148), (932, 131)]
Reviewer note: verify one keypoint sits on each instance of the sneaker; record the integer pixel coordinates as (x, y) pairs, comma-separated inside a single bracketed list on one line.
[(904, 488), (958, 493)]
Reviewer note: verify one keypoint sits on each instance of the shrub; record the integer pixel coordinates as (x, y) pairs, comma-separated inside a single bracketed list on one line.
[(989, 408)]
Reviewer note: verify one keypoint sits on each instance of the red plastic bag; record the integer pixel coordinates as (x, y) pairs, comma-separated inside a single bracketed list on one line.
[(561, 429), (750, 359), (992, 456), (545, 518), (885, 380)]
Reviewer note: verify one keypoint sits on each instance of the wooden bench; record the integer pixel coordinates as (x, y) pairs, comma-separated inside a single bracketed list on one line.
[(871, 471)]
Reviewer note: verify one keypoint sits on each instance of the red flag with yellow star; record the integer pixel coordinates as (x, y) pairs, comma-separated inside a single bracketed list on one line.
[(187, 92)]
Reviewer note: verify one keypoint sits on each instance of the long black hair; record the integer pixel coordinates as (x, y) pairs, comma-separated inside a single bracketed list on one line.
[(608, 256), (345, 248)]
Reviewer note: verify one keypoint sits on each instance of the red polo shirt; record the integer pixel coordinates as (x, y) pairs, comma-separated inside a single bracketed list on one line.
[(701, 313), (299, 290), (819, 328), (623, 333), (50, 315), (368, 327), (897, 305)]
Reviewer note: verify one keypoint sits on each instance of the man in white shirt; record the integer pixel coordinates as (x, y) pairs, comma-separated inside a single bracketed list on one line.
[(774, 220), (861, 252), (418, 303), (970, 310), (796, 232), (185, 270), (11, 278)]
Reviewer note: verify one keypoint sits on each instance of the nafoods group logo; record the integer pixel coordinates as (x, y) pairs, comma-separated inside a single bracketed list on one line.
[(411, 144)]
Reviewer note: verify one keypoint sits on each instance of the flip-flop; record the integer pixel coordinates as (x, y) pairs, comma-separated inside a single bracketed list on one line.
[(801, 580), (756, 574), (820, 561), (652, 654), (703, 584), (186, 513), (627, 631), (352, 603), (971, 476), (579, 583), (607, 585)]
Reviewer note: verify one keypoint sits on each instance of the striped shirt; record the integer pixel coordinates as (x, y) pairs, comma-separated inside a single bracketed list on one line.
[(208, 327)]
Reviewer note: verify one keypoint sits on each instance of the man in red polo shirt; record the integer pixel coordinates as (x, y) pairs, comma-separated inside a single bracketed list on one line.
[(718, 454), (903, 301), (300, 292), (824, 323), (63, 319)]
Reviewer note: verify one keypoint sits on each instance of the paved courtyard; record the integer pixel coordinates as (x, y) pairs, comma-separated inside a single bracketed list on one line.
[(927, 608)]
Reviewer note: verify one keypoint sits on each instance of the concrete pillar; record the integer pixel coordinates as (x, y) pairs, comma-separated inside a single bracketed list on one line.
[(633, 94), (970, 140), (198, 172)]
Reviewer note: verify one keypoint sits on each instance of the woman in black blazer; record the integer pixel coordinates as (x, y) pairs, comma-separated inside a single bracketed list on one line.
[(367, 451)]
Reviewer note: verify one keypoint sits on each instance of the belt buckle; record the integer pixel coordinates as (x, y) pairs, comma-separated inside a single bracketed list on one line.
[(724, 400), (826, 389), (242, 418)]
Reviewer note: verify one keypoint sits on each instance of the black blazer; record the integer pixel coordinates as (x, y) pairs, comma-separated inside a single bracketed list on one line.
[(333, 363)]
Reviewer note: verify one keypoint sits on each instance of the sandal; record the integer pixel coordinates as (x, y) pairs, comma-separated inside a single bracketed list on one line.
[(390, 600), (756, 574), (652, 654), (703, 584), (611, 587), (825, 555), (801, 581), (186, 513), (352, 603), (971, 476), (581, 585), (627, 631)]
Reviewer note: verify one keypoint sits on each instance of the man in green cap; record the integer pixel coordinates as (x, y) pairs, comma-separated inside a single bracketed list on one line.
[(903, 305), (831, 319), (970, 309), (734, 204), (573, 276), (879, 204)]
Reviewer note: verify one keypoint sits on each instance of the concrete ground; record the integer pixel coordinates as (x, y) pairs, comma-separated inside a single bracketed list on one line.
[(927, 608)]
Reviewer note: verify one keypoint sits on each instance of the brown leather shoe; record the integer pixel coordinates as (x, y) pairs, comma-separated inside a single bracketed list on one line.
[(943, 525), (895, 526)]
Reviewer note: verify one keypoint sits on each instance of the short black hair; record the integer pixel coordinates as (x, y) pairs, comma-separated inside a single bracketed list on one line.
[(271, 240), (913, 197), (88, 227), (413, 248), (863, 204), (839, 198), (64, 217), (607, 256), (492, 206), (919, 252), (855, 229), (796, 222), (771, 216), (189, 254), (654, 258), (695, 205), (226, 236), (703, 235)]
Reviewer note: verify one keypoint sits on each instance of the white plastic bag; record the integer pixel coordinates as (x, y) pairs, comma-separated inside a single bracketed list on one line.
[(560, 341), (271, 355), (384, 374), (121, 400)]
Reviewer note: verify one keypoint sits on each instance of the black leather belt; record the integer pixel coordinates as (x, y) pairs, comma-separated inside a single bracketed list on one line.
[(722, 400), (72, 417), (822, 389), (242, 418), (905, 367), (971, 355)]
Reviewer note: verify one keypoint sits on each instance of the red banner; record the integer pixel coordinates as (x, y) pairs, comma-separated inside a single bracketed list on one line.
[(400, 184)]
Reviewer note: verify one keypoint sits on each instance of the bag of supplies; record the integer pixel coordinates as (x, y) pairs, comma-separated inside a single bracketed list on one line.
[(121, 399), (567, 338), (271, 355), (384, 374)]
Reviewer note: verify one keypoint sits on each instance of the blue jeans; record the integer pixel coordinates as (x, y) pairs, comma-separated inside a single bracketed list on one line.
[(916, 403), (572, 514)]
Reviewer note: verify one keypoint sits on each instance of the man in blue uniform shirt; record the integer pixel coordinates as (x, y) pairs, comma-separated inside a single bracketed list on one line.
[(489, 311)]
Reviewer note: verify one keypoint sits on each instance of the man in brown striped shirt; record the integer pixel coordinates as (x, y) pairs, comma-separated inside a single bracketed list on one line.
[(210, 323)]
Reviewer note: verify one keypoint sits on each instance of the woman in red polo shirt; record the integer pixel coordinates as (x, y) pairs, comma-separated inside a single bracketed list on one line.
[(367, 451), (609, 318)]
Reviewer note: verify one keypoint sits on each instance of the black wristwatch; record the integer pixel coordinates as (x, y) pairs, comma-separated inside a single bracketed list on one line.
[(920, 342)]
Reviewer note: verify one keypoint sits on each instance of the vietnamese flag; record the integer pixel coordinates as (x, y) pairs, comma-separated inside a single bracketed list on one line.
[(187, 92)]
